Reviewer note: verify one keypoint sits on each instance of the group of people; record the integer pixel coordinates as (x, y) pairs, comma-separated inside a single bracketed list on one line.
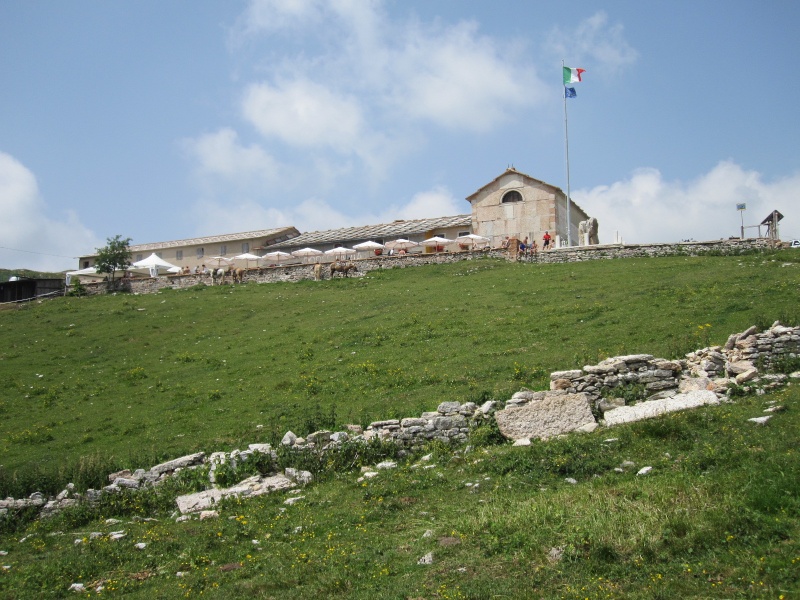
[(530, 249), (198, 270)]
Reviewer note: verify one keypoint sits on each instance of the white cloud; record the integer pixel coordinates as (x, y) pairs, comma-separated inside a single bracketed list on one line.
[(458, 79), (272, 15), (304, 113), (221, 154), (31, 238), (449, 75), (437, 202), (593, 44), (646, 208)]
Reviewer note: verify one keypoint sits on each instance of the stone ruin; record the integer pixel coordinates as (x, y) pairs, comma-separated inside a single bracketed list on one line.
[(579, 400), (587, 232)]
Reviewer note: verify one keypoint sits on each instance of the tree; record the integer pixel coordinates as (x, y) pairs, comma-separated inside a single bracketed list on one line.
[(114, 256)]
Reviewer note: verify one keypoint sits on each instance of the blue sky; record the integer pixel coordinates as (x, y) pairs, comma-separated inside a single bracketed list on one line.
[(166, 120)]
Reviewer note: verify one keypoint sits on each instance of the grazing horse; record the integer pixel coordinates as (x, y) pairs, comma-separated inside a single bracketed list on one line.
[(342, 267), (217, 276), (238, 275)]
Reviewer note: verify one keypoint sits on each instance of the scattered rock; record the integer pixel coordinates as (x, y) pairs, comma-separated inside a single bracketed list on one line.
[(554, 554), (760, 420)]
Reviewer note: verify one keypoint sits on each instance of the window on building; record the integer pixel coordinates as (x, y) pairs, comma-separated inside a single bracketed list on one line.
[(138, 257), (201, 252), (223, 250), (462, 233), (86, 264), (159, 254), (245, 247), (179, 254), (512, 196)]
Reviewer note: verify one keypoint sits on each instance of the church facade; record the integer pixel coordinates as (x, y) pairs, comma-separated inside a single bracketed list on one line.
[(518, 206)]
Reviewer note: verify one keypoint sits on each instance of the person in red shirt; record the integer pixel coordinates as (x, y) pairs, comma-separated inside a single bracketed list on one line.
[(546, 241)]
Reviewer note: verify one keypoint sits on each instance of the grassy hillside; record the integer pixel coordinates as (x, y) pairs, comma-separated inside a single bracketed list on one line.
[(95, 384), (133, 379)]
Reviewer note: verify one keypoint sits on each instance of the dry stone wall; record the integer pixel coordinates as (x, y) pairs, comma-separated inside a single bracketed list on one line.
[(295, 273), (576, 398)]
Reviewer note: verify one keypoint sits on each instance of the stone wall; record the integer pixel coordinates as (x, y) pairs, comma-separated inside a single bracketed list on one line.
[(705, 377), (294, 273)]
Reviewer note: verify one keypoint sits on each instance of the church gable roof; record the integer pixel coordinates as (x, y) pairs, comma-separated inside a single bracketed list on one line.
[(512, 171)]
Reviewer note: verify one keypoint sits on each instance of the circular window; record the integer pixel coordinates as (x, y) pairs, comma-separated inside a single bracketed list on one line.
[(512, 196)]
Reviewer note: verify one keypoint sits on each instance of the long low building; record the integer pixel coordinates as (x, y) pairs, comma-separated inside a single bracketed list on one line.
[(511, 205)]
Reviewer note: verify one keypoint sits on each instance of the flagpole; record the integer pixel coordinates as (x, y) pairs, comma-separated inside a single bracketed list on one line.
[(566, 152)]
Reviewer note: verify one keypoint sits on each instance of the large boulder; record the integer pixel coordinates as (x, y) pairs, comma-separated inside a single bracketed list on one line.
[(555, 413)]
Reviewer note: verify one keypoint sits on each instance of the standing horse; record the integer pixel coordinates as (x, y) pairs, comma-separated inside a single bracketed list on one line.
[(343, 268), (238, 275), (217, 276)]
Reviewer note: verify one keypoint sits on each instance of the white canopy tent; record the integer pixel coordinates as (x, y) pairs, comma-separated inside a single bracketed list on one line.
[(153, 264), (89, 273)]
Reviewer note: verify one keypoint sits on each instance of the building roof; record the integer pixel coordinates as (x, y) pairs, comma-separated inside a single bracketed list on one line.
[(270, 235), (386, 231), (215, 239), (512, 170)]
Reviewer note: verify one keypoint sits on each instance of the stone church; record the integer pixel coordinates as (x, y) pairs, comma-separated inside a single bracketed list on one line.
[(517, 205)]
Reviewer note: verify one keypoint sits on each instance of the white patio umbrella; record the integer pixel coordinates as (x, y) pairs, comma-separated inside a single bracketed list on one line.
[(277, 255), (370, 245), (247, 257), (339, 251), (400, 244), (472, 239), (436, 241), (306, 252), (218, 261)]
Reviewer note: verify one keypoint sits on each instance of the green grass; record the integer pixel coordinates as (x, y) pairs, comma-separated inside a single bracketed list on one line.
[(141, 378), (92, 385), (717, 517)]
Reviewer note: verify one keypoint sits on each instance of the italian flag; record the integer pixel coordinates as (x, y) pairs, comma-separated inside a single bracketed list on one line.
[(572, 75)]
